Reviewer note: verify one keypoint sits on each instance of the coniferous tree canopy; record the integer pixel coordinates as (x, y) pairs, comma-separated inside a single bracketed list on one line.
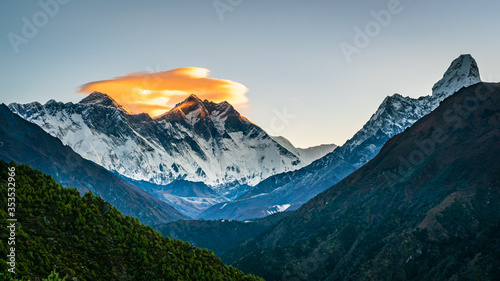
[(60, 234)]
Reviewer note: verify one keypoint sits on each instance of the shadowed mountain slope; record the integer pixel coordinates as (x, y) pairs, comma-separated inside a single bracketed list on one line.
[(425, 208)]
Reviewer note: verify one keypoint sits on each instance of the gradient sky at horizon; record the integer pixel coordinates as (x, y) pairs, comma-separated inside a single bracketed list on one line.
[(287, 53)]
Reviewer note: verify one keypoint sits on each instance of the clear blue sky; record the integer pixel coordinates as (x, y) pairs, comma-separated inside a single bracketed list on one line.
[(286, 52)]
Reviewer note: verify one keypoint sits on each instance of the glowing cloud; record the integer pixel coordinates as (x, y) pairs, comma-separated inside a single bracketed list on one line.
[(158, 92)]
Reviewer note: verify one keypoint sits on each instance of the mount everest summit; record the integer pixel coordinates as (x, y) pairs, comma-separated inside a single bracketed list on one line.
[(203, 146)]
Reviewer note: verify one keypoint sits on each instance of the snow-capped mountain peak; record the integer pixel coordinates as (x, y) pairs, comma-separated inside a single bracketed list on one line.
[(463, 72), (197, 141), (101, 99), (190, 103), (191, 108), (207, 115), (397, 112)]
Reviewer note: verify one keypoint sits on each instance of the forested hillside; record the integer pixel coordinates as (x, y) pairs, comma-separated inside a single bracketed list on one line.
[(87, 238)]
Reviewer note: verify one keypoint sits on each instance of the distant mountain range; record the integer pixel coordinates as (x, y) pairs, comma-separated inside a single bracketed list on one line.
[(197, 142), (288, 191), (208, 161), (26, 143), (425, 208)]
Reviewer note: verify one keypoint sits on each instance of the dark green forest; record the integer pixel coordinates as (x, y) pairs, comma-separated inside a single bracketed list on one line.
[(60, 233)]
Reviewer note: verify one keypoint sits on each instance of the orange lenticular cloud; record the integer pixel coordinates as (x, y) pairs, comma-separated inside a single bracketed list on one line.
[(157, 92)]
